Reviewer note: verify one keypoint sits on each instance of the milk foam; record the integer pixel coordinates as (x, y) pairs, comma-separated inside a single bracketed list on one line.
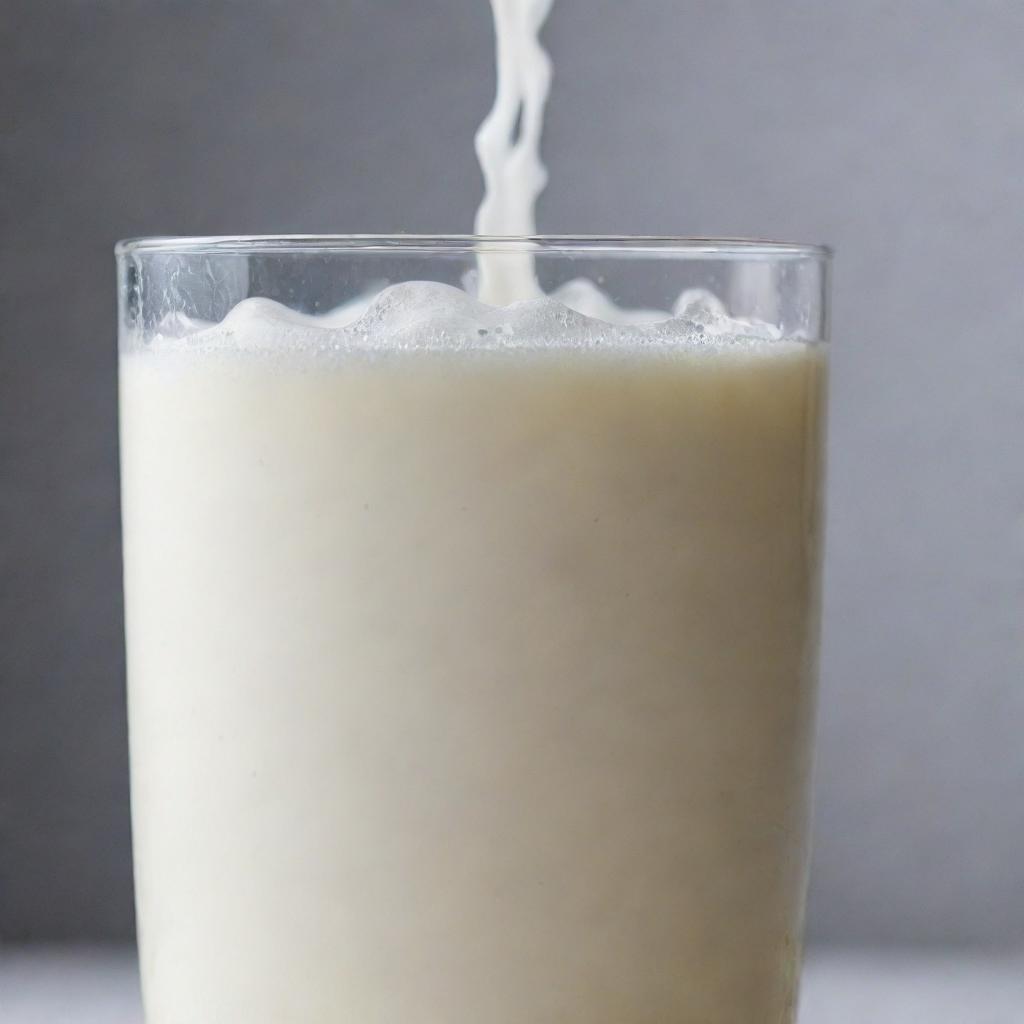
[(430, 316)]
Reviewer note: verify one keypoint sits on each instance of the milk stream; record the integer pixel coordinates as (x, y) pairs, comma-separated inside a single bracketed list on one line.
[(514, 175)]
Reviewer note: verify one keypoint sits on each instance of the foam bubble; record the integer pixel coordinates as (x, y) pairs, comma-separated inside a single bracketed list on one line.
[(698, 303), (585, 297), (430, 316)]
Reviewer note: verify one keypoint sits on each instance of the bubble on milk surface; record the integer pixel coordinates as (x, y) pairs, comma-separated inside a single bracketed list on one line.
[(430, 316)]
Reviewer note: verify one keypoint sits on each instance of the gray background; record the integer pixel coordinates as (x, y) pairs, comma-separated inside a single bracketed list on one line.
[(895, 131)]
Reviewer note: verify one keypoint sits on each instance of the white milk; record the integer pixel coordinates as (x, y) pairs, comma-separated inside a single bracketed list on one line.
[(470, 649), (514, 175), (468, 686)]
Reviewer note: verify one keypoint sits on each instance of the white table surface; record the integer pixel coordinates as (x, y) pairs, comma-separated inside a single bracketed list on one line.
[(47, 985)]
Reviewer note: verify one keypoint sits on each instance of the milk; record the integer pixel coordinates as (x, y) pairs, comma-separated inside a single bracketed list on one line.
[(469, 685), (513, 173), (471, 645)]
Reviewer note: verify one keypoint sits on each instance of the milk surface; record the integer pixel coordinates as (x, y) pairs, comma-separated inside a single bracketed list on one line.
[(469, 681)]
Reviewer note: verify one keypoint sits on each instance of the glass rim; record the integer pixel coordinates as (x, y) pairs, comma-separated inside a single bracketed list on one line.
[(664, 245)]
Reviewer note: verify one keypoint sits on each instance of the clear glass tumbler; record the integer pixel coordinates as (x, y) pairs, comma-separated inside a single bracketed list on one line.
[(471, 649)]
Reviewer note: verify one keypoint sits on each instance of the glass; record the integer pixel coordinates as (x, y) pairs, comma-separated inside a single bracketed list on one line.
[(471, 651)]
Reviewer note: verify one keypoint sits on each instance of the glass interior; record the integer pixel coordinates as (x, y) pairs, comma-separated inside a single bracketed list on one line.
[(777, 283)]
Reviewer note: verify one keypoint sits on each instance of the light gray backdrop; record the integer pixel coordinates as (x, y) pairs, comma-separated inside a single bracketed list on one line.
[(893, 130)]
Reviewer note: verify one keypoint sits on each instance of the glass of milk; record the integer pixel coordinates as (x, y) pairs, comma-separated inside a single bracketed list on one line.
[(471, 645)]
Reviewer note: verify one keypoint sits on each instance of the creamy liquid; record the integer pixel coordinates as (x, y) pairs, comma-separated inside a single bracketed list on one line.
[(470, 687), (514, 175)]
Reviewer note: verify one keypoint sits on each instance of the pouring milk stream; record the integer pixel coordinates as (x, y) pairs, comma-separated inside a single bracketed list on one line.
[(514, 175)]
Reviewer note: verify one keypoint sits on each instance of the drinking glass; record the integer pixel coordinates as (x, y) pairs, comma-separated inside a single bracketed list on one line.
[(471, 651)]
